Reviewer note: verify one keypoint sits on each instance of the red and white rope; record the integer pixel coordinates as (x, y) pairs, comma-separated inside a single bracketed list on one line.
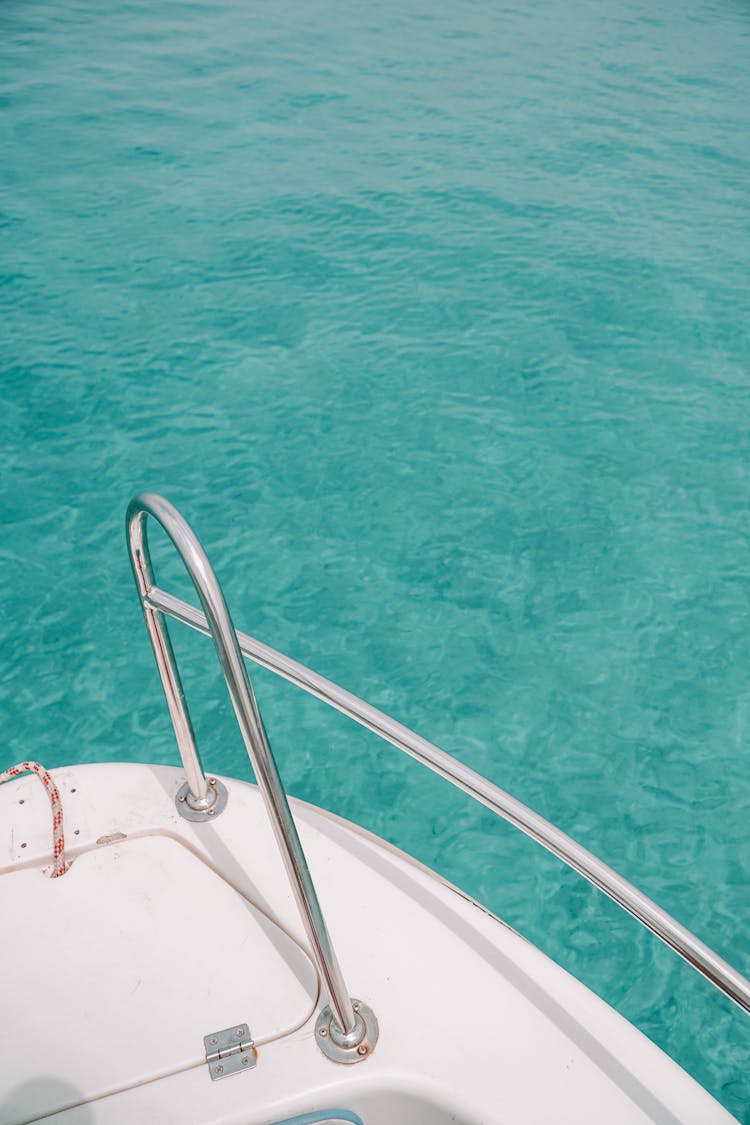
[(58, 843)]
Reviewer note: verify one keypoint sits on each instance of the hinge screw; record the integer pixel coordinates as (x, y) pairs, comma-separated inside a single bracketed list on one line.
[(219, 1069), (245, 1061), (239, 1033)]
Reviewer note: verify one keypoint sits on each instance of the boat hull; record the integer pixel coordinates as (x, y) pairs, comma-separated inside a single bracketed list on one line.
[(477, 1026)]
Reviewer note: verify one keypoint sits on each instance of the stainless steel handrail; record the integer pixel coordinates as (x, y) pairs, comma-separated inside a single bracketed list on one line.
[(348, 1029), (726, 978)]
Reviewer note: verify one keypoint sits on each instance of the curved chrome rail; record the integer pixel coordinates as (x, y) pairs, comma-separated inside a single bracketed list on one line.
[(348, 1031), (727, 979)]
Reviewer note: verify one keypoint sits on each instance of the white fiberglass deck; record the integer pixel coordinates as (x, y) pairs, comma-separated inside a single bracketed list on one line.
[(164, 931)]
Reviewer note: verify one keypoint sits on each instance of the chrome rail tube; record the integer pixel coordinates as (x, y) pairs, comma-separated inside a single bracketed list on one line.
[(140, 558), (217, 623), (727, 979)]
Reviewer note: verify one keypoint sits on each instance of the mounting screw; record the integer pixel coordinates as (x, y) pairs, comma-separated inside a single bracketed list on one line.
[(361, 1049), (182, 796), (212, 781), (355, 1006), (323, 1032)]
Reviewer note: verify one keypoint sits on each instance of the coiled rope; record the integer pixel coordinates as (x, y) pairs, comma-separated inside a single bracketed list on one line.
[(58, 843)]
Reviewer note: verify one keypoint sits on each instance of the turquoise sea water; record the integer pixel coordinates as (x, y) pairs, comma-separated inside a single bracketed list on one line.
[(434, 321)]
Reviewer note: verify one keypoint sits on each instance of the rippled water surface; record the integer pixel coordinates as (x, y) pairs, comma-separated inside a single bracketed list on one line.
[(434, 321)]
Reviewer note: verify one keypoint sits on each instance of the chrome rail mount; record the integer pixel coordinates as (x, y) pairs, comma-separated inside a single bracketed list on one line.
[(347, 1026), (214, 621)]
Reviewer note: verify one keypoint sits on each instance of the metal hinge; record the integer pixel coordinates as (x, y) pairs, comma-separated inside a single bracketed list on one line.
[(229, 1050)]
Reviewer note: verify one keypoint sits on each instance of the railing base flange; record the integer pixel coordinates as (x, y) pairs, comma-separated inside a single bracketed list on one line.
[(327, 1033), (184, 798)]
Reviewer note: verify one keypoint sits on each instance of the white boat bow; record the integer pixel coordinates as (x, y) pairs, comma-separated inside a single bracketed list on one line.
[(180, 967)]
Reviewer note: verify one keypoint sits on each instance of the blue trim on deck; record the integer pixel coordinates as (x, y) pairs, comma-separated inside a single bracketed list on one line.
[(336, 1115)]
